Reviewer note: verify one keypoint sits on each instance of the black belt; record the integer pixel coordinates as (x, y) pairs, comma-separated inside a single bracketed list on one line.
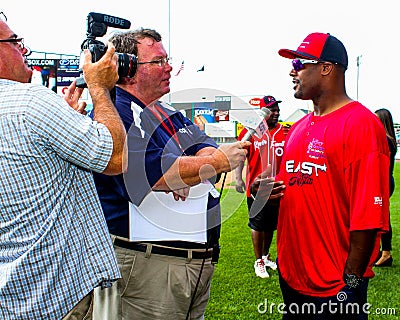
[(184, 253)]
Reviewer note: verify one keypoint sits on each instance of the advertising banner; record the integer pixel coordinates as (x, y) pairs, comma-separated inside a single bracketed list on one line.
[(67, 71), (203, 113), (44, 72), (54, 73)]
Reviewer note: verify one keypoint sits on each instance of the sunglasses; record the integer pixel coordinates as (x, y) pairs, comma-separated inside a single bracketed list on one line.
[(298, 64)]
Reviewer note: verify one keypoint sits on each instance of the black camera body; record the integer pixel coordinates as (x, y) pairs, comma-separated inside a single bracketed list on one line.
[(97, 24)]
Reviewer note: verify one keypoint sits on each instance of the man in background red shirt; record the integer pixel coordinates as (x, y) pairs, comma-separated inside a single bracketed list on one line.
[(264, 150)]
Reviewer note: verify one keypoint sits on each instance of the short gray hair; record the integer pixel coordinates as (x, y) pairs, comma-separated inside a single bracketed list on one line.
[(127, 41)]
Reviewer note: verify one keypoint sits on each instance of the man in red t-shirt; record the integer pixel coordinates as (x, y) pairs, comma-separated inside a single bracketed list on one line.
[(336, 200), (264, 150)]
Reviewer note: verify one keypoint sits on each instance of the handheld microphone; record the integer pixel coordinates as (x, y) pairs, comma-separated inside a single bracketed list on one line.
[(264, 113)]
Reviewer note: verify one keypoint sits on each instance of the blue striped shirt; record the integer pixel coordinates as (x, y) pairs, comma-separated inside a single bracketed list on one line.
[(54, 243)]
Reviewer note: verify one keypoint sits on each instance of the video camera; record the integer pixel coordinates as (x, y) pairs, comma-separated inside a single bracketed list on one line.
[(97, 27)]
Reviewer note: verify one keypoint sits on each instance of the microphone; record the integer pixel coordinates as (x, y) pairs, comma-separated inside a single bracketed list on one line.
[(264, 113), (108, 20)]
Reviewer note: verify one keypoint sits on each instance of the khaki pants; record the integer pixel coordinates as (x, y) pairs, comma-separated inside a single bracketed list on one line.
[(83, 310), (154, 287)]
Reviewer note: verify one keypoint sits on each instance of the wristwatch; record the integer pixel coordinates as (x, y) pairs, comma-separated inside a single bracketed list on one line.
[(352, 280)]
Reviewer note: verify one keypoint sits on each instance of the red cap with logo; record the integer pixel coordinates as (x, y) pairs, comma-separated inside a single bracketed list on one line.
[(319, 46), (268, 101)]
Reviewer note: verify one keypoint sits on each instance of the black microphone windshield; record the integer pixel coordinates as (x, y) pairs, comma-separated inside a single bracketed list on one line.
[(110, 21)]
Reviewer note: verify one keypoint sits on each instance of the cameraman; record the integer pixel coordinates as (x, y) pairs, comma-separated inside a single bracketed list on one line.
[(54, 243), (167, 153)]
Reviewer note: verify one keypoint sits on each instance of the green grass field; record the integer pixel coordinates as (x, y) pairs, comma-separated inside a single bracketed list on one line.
[(236, 292)]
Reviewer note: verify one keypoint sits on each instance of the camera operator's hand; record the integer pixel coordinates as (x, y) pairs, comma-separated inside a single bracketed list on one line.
[(100, 78), (103, 73), (72, 95), (231, 155)]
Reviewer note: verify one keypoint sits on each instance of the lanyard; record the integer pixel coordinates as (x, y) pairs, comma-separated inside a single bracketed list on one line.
[(170, 128)]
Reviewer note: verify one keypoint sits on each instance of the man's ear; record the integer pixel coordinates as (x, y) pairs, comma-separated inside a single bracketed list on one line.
[(327, 68)]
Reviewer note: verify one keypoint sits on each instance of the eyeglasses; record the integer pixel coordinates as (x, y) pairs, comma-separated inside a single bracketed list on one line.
[(160, 62), (20, 42), (298, 64)]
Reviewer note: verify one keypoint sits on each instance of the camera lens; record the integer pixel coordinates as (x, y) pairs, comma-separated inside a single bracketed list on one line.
[(127, 64)]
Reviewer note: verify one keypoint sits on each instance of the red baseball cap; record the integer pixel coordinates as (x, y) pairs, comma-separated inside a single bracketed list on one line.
[(268, 101), (319, 46)]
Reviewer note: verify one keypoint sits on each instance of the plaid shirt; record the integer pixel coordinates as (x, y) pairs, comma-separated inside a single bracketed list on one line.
[(54, 243)]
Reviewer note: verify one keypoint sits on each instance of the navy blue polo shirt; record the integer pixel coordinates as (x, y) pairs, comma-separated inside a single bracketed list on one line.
[(151, 151)]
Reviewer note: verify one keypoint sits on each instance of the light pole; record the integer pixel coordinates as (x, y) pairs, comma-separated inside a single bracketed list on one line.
[(358, 71)]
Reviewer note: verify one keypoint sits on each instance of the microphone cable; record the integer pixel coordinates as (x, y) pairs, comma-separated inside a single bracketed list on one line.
[(197, 284)]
